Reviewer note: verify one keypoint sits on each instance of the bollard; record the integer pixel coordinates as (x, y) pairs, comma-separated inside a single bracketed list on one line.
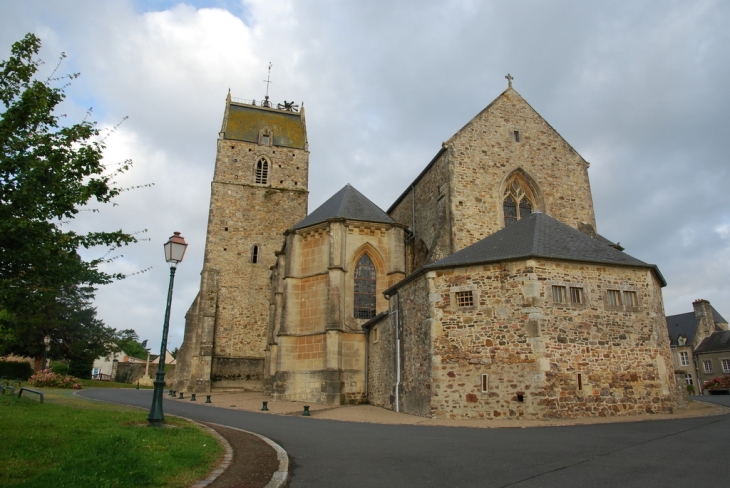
[(174, 393), (306, 411), (192, 398), (181, 396), (265, 408), (207, 398), (138, 385)]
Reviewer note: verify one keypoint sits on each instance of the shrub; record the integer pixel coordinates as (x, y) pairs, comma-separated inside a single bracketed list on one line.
[(60, 368), (50, 379), (720, 383), (81, 367), (15, 370)]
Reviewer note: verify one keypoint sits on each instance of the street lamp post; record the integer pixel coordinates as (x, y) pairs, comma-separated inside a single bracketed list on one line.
[(47, 342), (174, 251)]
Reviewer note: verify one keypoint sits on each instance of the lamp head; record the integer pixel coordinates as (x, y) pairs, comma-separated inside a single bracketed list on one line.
[(175, 249)]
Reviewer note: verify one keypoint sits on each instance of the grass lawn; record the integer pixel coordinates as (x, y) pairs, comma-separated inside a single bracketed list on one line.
[(72, 442)]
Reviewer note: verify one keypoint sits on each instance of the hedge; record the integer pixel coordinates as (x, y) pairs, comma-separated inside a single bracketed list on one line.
[(13, 370)]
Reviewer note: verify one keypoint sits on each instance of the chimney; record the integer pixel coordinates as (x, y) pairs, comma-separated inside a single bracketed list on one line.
[(705, 321)]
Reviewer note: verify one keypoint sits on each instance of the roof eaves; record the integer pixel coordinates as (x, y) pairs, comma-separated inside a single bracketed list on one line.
[(374, 320)]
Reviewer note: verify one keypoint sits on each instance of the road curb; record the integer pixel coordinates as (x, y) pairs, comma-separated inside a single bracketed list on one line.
[(280, 477), (225, 462)]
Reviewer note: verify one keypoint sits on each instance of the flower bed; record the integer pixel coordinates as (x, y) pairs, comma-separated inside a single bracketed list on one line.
[(720, 383), (50, 379)]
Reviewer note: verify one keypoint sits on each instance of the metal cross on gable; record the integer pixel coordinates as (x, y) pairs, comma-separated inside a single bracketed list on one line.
[(268, 81), (509, 79)]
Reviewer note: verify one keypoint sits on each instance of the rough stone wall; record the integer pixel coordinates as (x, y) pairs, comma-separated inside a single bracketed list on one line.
[(533, 349), (415, 329), (432, 236), (484, 153), (381, 363)]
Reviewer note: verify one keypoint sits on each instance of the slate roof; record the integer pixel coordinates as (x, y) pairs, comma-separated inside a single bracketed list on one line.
[(541, 236), (685, 324), (347, 203), (537, 236), (717, 342)]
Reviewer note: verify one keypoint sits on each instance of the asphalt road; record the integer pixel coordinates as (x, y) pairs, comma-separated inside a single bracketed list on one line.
[(326, 453)]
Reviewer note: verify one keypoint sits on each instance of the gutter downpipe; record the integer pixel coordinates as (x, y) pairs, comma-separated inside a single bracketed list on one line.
[(397, 352), (367, 359)]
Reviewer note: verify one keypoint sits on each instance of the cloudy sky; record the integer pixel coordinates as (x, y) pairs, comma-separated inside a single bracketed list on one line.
[(639, 88)]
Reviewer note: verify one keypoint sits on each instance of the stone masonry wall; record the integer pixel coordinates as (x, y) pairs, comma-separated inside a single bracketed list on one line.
[(485, 152), (244, 214), (432, 240), (381, 363), (413, 311), (533, 349)]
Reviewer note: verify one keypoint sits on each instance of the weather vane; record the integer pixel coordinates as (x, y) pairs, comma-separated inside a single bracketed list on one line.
[(268, 81)]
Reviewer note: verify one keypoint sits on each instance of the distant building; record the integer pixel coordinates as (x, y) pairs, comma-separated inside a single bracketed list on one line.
[(686, 332)]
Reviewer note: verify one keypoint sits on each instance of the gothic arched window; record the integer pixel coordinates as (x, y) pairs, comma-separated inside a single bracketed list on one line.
[(262, 171), (517, 202), (365, 288)]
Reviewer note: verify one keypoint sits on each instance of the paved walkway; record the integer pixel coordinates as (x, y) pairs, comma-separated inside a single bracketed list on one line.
[(324, 453)]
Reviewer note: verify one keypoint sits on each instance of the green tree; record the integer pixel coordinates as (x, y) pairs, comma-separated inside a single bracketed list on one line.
[(47, 172), (128, 341), (70, 321)]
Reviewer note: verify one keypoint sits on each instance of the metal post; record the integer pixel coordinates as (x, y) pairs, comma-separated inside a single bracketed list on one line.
[(156, 416)]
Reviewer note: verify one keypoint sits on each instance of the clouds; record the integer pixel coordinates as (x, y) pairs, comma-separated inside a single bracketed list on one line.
[(638, 88)]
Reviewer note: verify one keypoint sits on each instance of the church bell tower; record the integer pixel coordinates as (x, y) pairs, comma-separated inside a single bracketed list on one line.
[(259, 190)]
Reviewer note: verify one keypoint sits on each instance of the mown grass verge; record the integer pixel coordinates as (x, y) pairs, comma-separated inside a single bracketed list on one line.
[(71, 442)]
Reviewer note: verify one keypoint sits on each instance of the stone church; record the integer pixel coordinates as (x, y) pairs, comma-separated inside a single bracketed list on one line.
[(484, 291)]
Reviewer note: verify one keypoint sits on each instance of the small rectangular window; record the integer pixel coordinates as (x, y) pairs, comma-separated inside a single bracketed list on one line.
[(614, 298), (559, 294), (580, 382), (464, 299), (708, 366), (375, 334), (726, 365), (688, 379), (265, 139), (630, 299), (517, 136), (485, 383), (684, 358), (576, 295)]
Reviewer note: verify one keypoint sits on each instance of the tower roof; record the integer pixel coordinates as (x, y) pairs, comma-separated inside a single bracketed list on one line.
[(347, 203), (243, 122)]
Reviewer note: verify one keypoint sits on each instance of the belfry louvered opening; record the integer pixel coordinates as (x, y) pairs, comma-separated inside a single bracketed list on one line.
[(262, 171)]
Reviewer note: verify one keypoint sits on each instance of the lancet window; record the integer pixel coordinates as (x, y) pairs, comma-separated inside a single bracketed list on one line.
[(262, 171), (365, 288), (518, 203)]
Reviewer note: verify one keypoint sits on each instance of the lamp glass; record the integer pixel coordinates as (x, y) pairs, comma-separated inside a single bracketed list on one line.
[(47, 340)]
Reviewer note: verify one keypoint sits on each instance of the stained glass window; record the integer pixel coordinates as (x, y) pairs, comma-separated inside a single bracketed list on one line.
[(516, 197), (365, 288), (510, 211)]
